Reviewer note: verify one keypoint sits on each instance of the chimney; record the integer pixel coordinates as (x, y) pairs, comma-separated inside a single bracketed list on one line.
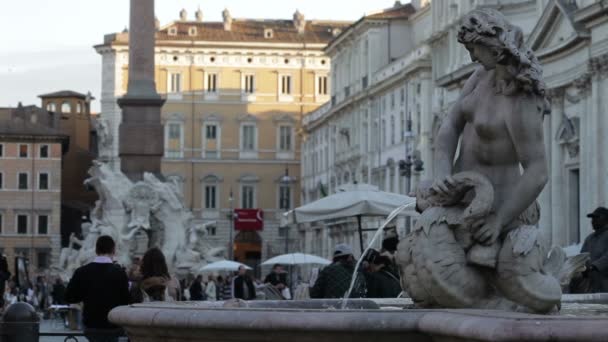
[(227, 19), (199, 15), (298, 21), (183, 15)]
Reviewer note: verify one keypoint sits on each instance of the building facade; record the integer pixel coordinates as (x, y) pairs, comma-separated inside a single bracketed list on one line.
[(30, 190), (570, 40), (235, 94)]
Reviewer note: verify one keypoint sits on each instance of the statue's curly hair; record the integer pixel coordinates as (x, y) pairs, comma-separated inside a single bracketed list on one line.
[(490, 28)]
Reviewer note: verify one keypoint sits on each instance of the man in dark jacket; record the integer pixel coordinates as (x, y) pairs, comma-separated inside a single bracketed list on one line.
[(196, 289), (277, 278), (382, 282), (334, 280), (242, 285), (101, 286), (595, 277)]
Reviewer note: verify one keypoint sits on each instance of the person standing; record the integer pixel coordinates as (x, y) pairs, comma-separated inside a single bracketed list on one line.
[(211, 289), (334, 280), (155, 283), (5, 275), (58, 292), (595, 277), (242, 285), (277, 278), (196, 289), (101, 286), (382, 281)]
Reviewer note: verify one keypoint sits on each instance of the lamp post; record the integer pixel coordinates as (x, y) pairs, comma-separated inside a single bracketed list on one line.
[(285, 181), (231, 218), (411, 159)]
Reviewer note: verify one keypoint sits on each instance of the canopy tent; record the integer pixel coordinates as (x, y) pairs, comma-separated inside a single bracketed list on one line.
[(352, 200), (223, 265), (296, 259)]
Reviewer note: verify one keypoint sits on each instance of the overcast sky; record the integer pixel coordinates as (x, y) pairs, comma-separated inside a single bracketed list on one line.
[(46, 45)]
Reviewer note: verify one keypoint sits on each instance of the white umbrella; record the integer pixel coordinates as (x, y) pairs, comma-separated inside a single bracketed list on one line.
[(223, 265), (352, 200), (296, 259)]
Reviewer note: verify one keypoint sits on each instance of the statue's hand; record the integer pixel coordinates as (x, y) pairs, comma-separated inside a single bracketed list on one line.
[(488, 232), (443, 186)]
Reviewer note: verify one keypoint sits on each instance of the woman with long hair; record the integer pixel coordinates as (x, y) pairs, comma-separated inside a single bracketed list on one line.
[(156, 283)]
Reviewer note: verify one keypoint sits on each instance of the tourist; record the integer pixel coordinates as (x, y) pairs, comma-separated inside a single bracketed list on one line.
[(58, 292), (5, 275), (383, 281), (277, 278), (224, 291), (101, 286), (211, 289), (155, 285), (242, 285), (196, 289), (334, 280), (595, 277)]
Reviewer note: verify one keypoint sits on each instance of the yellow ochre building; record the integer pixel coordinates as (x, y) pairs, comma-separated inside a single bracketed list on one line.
[(236, 92)]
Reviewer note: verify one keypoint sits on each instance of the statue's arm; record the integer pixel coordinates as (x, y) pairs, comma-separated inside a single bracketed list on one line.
[(526, 131), (449, 132)]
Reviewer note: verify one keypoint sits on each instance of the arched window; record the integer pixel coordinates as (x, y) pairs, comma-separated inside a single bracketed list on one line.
[(66, 107), (51, 107), (78, 108)]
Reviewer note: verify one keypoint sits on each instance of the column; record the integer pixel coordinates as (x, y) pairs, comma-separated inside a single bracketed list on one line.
[(558, 220), (141, 136)]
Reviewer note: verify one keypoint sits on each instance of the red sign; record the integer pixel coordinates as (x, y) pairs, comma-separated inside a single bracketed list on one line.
[(248, 219)]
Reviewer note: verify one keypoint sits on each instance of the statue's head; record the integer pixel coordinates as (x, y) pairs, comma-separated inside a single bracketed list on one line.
[(492, 40)]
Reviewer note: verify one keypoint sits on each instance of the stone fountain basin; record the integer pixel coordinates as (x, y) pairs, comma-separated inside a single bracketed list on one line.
[(364, 320)]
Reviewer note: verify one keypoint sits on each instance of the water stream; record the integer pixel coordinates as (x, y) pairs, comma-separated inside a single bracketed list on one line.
[(390, 217)]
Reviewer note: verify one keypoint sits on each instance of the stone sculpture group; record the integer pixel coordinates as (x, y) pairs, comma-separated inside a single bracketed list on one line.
[(125, 209), (476, 243)]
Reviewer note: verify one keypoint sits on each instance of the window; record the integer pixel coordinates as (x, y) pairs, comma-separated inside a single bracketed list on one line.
[(174, 141), (211, 230), (248, 138), (286, 84), (1, 150), (211, 132), (285, 138), (212, 82), (402, 91), (247, 197), (322, 85), (22, 181), (23, 151), (249, 84), (176, 83), (210, 197), (43, 181), (284, 197), (43, 258), (43, 224), (78, 108), (44, 151), (51, 107), (1, 222), (393, 100), (66, 107), (21, 224), (1, 180)]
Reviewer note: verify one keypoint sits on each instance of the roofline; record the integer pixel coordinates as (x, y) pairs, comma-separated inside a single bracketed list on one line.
[(224, 44)]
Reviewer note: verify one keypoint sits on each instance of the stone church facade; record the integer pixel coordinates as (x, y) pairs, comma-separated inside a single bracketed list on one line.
[(389, 101)]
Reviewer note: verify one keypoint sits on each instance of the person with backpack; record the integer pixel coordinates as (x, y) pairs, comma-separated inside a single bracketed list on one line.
[(156, 284)]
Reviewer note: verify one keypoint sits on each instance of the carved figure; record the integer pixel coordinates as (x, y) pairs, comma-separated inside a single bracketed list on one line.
[(476, 243), (104, 137)]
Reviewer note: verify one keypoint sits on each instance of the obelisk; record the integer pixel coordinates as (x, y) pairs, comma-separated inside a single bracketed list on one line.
[(141, 138)]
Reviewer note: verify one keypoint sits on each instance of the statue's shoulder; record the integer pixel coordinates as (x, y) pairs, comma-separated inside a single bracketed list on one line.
[(473, 80)]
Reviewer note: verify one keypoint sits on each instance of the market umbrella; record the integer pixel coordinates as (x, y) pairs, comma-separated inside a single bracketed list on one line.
[(352, 200), (296, 259), (223, 265)]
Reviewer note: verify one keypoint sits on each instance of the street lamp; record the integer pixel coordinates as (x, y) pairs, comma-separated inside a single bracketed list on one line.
[(411, 159), (285, 181), (231, 218)]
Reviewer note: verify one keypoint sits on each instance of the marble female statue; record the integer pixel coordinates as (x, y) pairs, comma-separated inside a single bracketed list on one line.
[(477, 240)]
